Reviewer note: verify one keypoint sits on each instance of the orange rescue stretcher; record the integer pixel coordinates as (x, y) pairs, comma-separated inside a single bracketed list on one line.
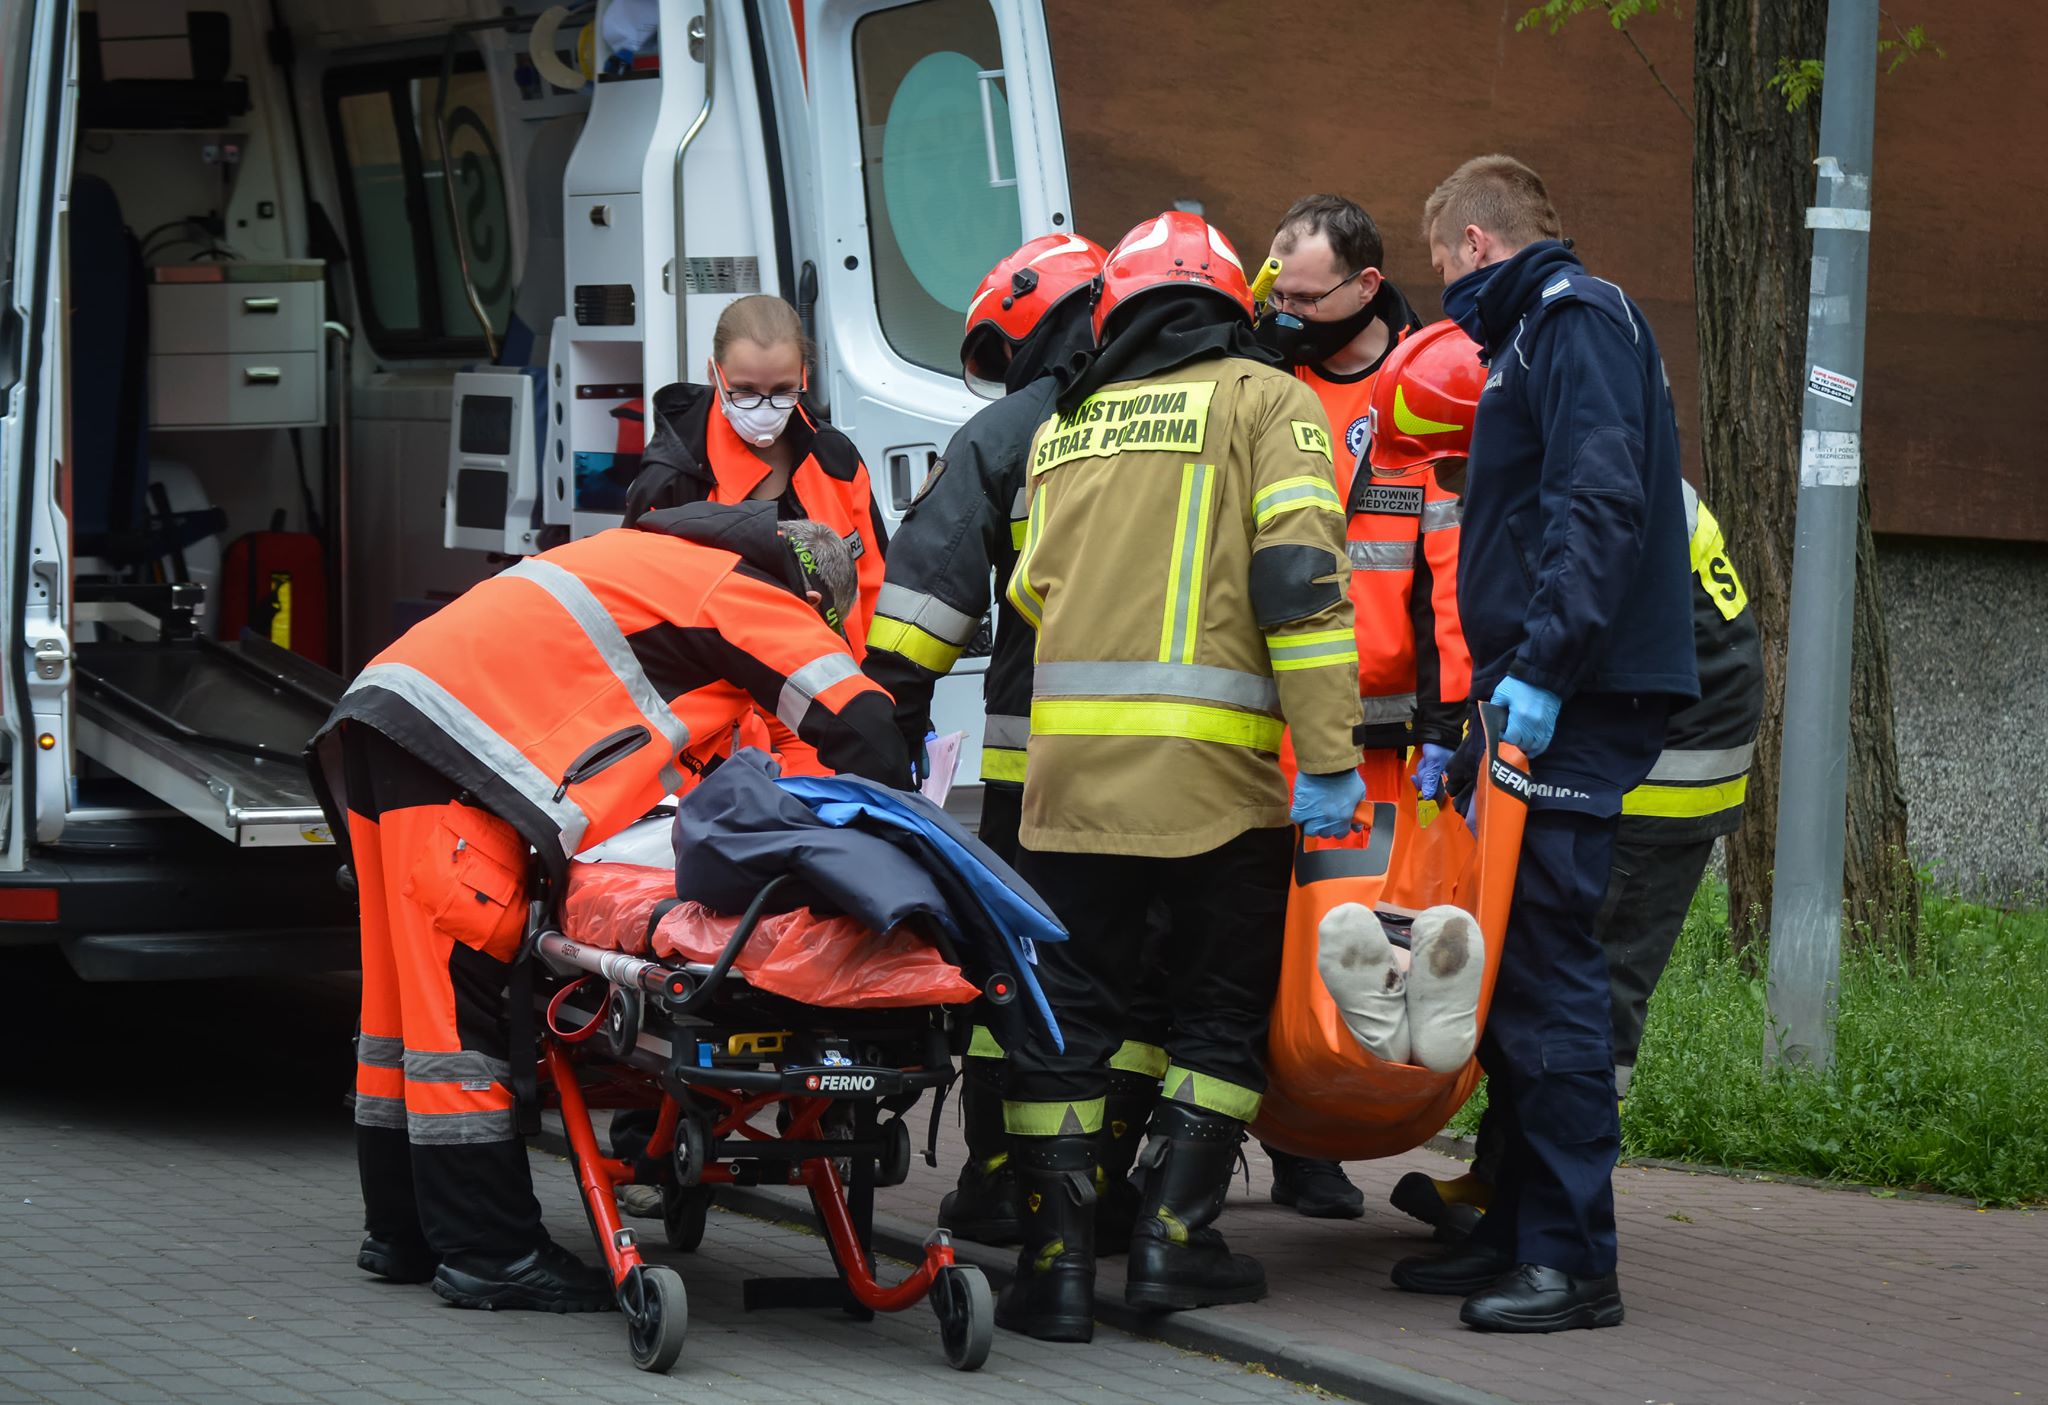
[(1327, 1096), (697, 1028)]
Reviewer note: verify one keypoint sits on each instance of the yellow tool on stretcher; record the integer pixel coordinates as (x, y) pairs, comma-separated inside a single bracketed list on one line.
[(1262, 286)]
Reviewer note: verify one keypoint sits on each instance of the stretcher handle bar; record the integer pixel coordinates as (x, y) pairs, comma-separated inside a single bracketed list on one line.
[(616, 967), (736, 943)]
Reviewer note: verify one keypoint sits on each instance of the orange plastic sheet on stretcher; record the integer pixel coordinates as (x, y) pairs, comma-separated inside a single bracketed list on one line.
[(829, 961), (1327, 1096)]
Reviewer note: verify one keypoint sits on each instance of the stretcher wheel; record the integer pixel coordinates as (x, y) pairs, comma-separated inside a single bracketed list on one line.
[(893, 1166), (966, 1310), (657, 1323), (683, 1212), (620, 1034)]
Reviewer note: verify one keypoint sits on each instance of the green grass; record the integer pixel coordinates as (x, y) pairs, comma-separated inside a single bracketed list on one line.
[(1941, 1074)]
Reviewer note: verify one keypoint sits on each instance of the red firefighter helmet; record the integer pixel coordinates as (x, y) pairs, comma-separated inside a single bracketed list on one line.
[(1176, 250), (1424, 399), (1014, 298)]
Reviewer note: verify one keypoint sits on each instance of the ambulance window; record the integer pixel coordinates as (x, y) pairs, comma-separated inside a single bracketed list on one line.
[(938, 167), (408, 274)]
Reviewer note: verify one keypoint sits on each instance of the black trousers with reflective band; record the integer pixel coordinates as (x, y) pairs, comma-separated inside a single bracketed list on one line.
[(1218, 966)]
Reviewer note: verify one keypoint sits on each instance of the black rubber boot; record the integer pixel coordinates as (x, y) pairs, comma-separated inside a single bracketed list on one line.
[(1126, 1110), (1178, 1259), (982, 1206), (1052, 1297)]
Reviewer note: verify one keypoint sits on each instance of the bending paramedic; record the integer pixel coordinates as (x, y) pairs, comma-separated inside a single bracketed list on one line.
[(538, 714)]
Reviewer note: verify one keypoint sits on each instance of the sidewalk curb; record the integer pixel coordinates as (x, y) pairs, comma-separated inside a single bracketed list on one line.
[(1462, 1148), (1344, 1373)]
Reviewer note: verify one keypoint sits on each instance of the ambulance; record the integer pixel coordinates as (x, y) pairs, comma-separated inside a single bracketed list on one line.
[(314, 313)]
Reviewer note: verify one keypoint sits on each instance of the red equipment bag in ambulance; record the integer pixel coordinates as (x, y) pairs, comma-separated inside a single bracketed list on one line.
[(275, 583)]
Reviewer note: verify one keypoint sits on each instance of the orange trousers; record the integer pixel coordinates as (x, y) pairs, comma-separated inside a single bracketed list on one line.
[(442, 888)]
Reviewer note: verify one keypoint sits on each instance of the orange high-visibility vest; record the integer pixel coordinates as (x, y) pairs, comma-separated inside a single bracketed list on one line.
[(571, 692)]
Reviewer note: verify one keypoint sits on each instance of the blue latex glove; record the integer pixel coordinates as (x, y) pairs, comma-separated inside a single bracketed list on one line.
[(1429, 774), (1326, 806), (1532, 715)]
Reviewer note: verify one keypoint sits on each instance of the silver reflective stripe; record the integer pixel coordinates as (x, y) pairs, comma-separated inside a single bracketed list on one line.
[(1438, 515), (1010, 733), (475, 736), (1692, 508), (1381, 556), (807, 682), (455, 1066), (927, 612), (1173, 680), (373, 1111), (609, 640), (459, 1128), (380, 1052), (1020, 506), (1702, 765), (1394, 707)]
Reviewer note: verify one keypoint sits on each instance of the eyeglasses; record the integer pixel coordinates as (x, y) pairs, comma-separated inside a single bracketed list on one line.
[(753, 399), (1279, 299)]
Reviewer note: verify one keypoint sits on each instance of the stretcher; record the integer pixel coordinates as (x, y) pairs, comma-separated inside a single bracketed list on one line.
[(1328, 1096), (699, 1030)]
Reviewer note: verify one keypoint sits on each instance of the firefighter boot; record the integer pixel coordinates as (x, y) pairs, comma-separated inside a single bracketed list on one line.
[(1452, 1207), (1125, 1112), (983, 1205), (1052, 1297), (1178, 1259)]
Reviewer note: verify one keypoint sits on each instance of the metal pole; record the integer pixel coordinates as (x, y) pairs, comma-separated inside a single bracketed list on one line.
[(1806, 902)]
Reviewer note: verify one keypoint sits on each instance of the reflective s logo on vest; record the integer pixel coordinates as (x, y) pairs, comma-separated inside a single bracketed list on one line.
[(1716, 572), (1311, 438)]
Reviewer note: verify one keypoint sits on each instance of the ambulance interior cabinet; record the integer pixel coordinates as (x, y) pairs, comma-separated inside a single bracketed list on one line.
[(237, 346)]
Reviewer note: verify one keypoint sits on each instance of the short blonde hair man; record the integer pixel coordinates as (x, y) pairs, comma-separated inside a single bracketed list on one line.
[(1487, 210)]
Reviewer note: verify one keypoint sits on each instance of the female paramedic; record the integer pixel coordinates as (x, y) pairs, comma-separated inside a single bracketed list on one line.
[(762, 445)]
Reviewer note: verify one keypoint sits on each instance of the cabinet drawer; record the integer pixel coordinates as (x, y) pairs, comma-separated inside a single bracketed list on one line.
[(253, 388), (202, 318)]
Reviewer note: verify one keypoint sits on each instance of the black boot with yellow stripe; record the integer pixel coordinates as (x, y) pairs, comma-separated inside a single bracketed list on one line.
[(1052, 1296), (1125, 1111), (1178, 1259), (982, 1206)]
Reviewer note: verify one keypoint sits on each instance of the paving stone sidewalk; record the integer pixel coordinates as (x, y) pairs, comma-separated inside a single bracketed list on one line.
[(1737, 1291)]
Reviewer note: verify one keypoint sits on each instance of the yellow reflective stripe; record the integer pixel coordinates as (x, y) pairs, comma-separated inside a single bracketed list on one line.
[(1029, 603), (1178, 628), (920, 646), (1684, 802), (1067, 1119), (1321, 649), (982, 1044), (1293, 494), (1017, 535), (1711, 564), (1085, 717), (1136, 1057), (1002, 763), (1335, 658), (1204, 1090)]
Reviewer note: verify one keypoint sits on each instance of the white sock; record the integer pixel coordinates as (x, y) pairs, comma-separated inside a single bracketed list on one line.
[(1443, 987), (1360, 972)]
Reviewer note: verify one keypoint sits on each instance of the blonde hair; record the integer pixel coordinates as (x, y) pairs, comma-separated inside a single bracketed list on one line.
[(1497, 193), (763, 319)]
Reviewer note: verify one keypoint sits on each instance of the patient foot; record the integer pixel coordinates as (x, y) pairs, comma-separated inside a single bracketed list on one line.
[(1359, 970), (1443, 987)]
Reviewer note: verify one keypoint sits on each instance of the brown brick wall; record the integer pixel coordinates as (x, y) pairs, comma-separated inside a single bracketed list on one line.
[(1245, 104)]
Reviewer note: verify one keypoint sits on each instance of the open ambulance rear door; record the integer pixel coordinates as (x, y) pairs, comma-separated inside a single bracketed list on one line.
[(934, 150)]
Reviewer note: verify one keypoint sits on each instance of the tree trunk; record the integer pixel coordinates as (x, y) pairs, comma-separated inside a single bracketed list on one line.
[(1752, 180)]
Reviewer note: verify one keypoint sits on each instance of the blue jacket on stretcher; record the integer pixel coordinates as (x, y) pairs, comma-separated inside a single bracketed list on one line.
[(882, 856)]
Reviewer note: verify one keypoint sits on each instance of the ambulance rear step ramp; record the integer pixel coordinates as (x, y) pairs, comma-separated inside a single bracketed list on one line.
[(216, 730)]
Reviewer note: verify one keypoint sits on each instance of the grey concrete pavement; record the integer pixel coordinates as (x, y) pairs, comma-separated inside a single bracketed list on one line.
[(179, 1214)]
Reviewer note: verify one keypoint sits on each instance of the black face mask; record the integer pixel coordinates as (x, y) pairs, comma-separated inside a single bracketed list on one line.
[(1299, 342)]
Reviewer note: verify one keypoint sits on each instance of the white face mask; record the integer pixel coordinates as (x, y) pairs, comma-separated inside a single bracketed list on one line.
[(760, 426)]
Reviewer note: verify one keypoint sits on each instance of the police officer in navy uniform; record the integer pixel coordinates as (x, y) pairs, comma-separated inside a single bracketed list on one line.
[(1573, 583)]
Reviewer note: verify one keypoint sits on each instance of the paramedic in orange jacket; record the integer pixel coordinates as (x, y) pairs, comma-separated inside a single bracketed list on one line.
[(1333, 318), (541, 712), (745, 436)]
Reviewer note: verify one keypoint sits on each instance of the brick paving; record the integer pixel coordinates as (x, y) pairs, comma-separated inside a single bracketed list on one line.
[(179, 1214), (1737, 1291)]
